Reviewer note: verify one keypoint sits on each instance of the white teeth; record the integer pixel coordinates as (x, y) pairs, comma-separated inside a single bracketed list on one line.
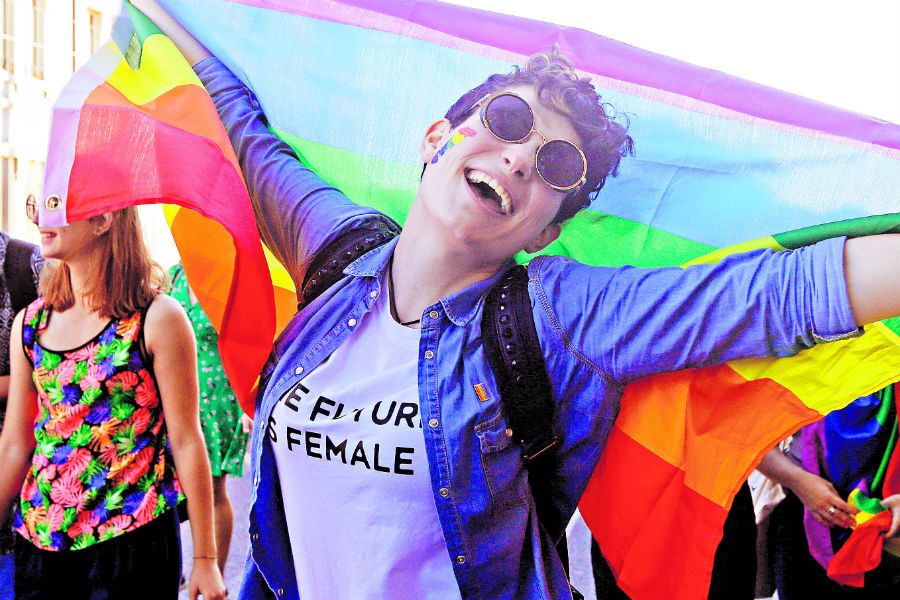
[(481, 177)]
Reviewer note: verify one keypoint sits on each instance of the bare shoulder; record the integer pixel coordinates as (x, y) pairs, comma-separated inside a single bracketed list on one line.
[(163, 308), (165, 318), (18, 320), (15, 332)]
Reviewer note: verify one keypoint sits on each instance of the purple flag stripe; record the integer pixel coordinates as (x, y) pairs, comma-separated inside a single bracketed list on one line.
[(451, 26)]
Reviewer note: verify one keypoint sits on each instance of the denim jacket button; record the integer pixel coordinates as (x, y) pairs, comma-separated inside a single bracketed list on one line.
[(434, 314), (429, 354), (444, 492), (373, 294), (298, 370), (255, 536), (433, 423), (351, 323), (461, 559), (281, 591)]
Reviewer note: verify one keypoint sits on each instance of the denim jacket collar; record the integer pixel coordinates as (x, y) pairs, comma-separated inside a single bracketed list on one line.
[(460, 307)]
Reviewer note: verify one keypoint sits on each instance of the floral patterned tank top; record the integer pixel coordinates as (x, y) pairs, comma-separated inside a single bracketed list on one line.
[(102, 464)]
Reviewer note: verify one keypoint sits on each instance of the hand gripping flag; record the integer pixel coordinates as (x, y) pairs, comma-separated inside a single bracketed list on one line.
[(353, 84), (856, 449), (135, 126)]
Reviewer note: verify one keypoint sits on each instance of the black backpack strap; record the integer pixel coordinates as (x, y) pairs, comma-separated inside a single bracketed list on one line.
[(513, 350), (327, 268), (514, 353), (19, 277)]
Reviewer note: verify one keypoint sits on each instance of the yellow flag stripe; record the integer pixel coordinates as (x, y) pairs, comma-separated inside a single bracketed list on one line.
[(280, 276), (828, 376), (718, 255), (162, 69)]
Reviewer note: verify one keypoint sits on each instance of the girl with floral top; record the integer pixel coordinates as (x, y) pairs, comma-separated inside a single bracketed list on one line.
[(102, 410)]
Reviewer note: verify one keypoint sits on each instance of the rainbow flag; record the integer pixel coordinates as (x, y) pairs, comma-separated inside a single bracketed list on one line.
[(352, 86), (135, 126), (857, 447)]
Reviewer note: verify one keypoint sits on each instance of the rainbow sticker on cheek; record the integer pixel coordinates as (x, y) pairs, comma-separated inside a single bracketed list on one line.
[(457, 138)]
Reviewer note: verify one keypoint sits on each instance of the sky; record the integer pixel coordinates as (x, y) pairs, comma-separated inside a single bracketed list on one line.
[(844, 53)]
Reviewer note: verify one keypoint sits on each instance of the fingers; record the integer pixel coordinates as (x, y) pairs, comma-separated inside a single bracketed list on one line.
[(832, 515), (895, 522), (820, 518), (844, 506)]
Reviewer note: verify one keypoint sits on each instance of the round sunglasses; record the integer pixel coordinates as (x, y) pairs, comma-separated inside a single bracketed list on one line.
[(560, 163)]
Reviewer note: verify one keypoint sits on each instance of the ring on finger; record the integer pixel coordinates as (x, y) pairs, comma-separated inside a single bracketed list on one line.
[(832, 510)]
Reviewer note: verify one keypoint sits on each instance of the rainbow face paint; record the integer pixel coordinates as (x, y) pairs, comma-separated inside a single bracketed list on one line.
[(457, 138)]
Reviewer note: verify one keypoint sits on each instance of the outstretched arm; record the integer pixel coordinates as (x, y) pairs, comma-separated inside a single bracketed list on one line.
[(872, 270)]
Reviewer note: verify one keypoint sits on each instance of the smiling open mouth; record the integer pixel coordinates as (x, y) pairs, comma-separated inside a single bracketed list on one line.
[(490, 189)]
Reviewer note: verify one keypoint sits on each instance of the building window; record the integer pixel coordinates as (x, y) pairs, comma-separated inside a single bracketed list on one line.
[(95, 20), (37, 64), (7, 35)]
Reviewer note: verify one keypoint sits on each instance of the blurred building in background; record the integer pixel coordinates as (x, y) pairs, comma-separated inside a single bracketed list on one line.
[(42, 42)]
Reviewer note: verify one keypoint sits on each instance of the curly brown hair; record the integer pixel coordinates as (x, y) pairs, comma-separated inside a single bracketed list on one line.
[(604, 134)]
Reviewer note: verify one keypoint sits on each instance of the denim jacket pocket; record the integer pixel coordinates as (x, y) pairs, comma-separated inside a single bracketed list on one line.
[(501, 462)]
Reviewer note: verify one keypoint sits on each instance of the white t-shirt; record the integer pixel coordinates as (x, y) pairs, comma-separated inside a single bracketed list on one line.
[(350, 451)]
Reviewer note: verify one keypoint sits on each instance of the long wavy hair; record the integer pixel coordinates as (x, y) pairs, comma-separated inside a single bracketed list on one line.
[(124, 278)]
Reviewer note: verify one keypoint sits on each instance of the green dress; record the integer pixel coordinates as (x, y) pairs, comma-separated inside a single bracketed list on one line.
[(220, 414)]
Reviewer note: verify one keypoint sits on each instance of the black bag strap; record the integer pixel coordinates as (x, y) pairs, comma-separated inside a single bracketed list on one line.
[(19, 277), (327, 268), (514, 353)]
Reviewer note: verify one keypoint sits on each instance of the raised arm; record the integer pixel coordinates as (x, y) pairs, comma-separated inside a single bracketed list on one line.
[(296, 212), (872, 268)]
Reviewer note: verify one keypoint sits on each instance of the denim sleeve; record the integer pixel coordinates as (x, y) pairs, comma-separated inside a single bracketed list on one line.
[(296, 212), (630, 323)]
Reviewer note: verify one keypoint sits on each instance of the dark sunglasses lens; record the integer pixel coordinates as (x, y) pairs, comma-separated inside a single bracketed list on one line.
[(509, 117), (560, 164)]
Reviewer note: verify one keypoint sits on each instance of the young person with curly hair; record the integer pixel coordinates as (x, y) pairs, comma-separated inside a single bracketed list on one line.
[(383, 464)]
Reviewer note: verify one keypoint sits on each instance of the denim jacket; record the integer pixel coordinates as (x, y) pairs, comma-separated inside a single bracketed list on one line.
[(599, 329)]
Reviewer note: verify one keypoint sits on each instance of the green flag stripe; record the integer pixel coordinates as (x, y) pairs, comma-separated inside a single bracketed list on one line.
[(852, 227), (143, 27), (887, 401), (597, 239), (589, 237), (893, 324)]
